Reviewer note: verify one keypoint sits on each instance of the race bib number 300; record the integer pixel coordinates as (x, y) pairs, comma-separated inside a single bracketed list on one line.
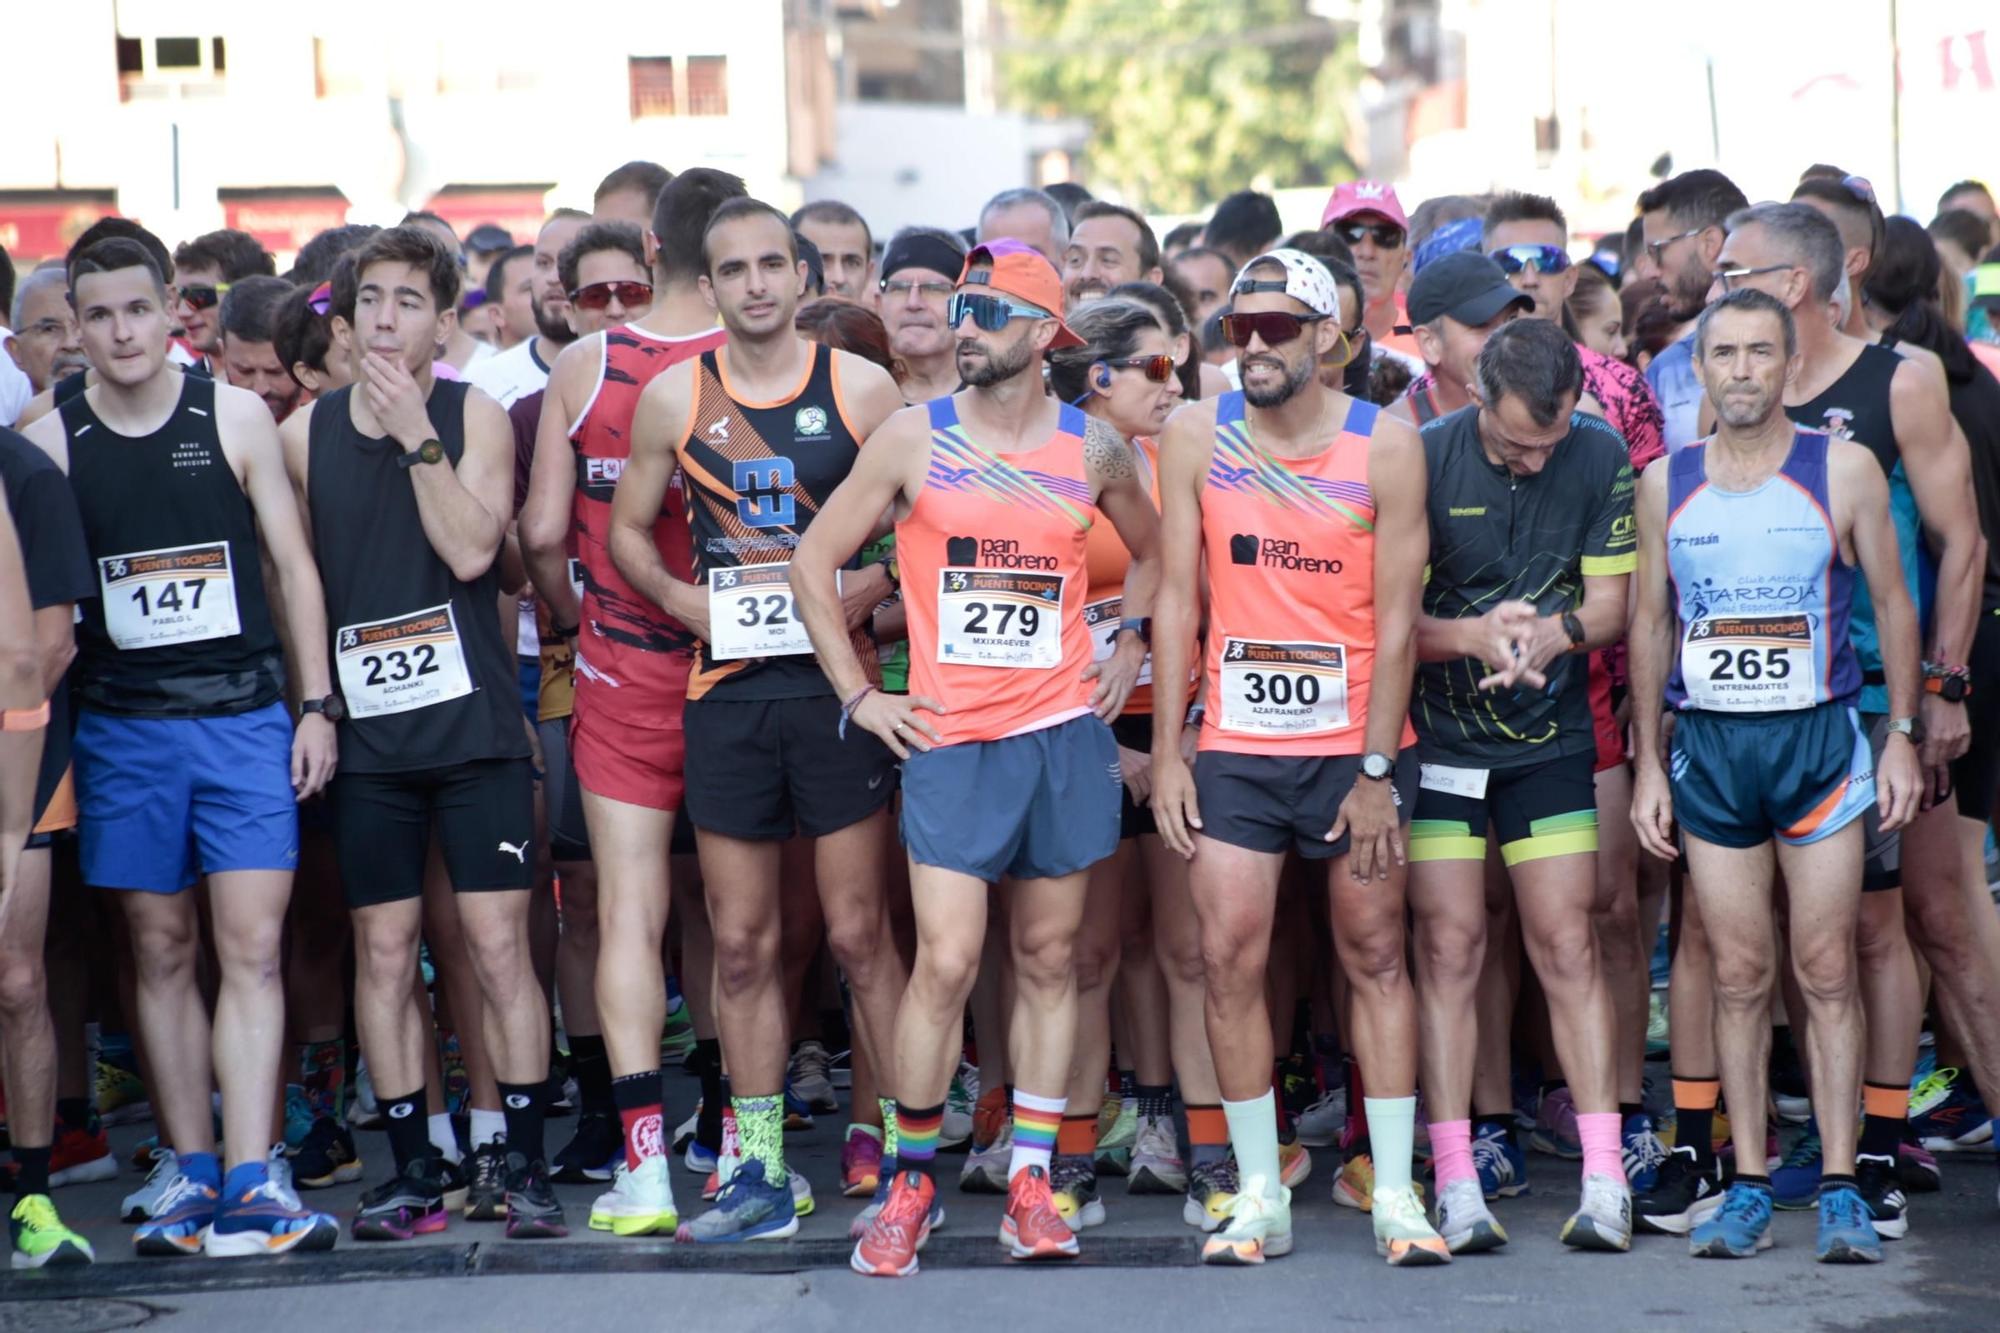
[(404, 662), (1104, 619), (751, 614), (180, 594), (1283, 689), (1000, 618), (1749, 664)]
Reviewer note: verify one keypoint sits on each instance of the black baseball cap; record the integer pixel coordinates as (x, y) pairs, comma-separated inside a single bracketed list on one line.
[(488, 237), (1467, 286)]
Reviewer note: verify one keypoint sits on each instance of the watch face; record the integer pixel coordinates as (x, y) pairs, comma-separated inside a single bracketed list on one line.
[(1376, 766), (335, 708), (430, 451)]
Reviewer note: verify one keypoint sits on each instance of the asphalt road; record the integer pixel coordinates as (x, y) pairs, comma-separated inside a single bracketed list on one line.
[(1139, 1269)]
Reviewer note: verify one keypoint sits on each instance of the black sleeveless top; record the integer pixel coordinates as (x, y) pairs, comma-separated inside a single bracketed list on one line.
[(181, 627), (417, 654), (754, 475), (1855, 407)]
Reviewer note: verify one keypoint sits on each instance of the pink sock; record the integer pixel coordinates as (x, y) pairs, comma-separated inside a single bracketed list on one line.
[(1451, 1151), (1602, 1152)]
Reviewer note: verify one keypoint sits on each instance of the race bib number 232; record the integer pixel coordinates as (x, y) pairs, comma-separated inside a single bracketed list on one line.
[(404, 662)]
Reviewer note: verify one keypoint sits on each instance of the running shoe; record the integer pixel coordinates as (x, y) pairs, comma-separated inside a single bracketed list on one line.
[(840, 1070), (1211, 1185), (180, 1220), (1073, 1184), (889, 1242), (1295, 1163), (405, 1205), (454, 1182), (268, 1220), (326, 1157), (1320, 1123), (39, 1237), (278, 1168), (121, 1097), (639, 1203), (1888, 1207), (748, 1207), (533, 1211), (1032, 1227), (1502, 1166), (486, 1188), (1792, 1107), (1737, 1229), (1642, 1151), (798, 1112), (144, 1152), (985, 1170), (1464, 1220), (1156, 1158), (991, 1116), (298, 1116), (1603, 1220), (956, 1131), (727, 1160), (685, 1131), (81, 1156), (1403, 1235), (1795, 1184), (1354, 1183), (1683, 1196), (144, 1202), (1953, 1118), (1259, 1226), (677, 1038), (1658, 1025), (1917, 1168), (363, 1110), (698, 1159), (1846, 1233), (1117, 1132), (593, 1152), (861, 1163), (1555, 1127), (809, 1075), (802, 1192)]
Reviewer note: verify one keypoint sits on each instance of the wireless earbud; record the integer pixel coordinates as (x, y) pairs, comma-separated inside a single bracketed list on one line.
[(1103, 379)]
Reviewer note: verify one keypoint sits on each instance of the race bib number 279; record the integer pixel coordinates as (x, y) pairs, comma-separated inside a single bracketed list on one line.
[(1000, 618)]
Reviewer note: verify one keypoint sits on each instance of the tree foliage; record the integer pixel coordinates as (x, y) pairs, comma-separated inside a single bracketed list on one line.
[(1187, 100)]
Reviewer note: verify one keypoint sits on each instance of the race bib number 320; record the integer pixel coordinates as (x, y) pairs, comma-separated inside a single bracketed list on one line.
[(404, 662), (180, 594), (1749, 664), (1283, 689), (1000, 618), (751, 614)]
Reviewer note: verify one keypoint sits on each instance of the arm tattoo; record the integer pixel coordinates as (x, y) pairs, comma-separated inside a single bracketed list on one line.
[(1106, 453)]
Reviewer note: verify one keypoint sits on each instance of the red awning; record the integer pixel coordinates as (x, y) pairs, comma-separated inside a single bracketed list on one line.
[(515, 208), (41, 224), (283, 218)]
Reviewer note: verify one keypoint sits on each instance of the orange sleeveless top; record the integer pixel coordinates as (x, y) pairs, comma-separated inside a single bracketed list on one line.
[(1291, 581), (992, 558), (1107, 561)]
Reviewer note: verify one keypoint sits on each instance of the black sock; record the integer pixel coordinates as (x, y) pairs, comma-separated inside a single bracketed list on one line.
[(408, 1119), (521, 1105), (32, 1176), (706, 1058), (1626, 1110), (1695, 1128), (1154, 1101), (73, 1112), (1128, 1084), (592, 1066)]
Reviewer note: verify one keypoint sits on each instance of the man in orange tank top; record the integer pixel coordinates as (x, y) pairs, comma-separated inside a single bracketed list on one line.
[(1009, 769), (1308, 508)]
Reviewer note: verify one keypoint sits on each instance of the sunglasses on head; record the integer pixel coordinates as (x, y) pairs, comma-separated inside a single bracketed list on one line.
[(990, 313), (204, 295), (598, 295), (1159, 369), (321, 300), (1541, 258), (1387, 235), (1275, 327)]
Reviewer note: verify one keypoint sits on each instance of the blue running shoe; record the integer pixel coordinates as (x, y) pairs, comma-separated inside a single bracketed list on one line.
[(1795, 1184), (268, 1220), (1502, 1167), (1740, 1228), (748, 1207), (1846, 1229), (180, 1220), (1643, 1152), (798, 1111)]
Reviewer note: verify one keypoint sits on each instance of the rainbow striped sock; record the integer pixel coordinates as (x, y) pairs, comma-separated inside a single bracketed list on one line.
[(917, 1129), (1037, 1120)]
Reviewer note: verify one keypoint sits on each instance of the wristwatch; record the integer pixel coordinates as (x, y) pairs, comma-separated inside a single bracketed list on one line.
[(333, 708), (430, 451), (1951, 689), (1908, 726), (1141, 626), (1574, 628), (1376, 765)]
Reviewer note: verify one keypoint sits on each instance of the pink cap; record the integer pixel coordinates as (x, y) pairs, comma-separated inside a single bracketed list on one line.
[(1352, 197)]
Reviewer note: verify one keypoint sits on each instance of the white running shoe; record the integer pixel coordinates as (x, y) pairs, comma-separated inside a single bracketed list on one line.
[(1259, 1226), (985, 1171), (1603, 1220), (1464, 1220), (1156, 1158), (1320, 1124), (142, 1203), (639, 1203)]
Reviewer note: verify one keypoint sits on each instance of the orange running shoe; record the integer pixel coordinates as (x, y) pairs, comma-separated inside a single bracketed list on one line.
[(1032, 1228), (989, 1117), (888, 1248)]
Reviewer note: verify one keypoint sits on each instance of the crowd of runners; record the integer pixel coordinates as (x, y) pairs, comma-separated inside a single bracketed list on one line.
[(1115, 705)]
